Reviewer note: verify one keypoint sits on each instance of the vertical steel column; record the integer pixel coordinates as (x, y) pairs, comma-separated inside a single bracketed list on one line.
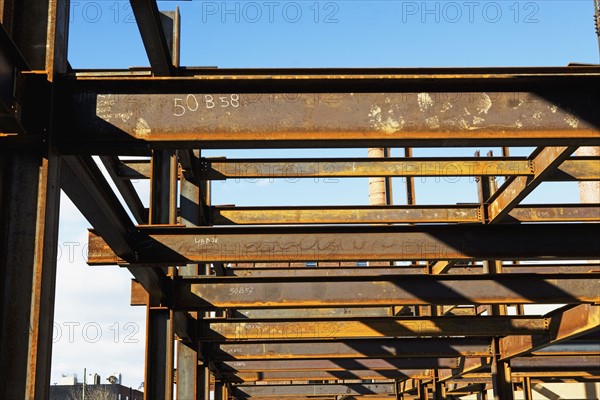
[(219, 390), (193, 378), (203, 369), (159, 319), (29, 205), (439, 389), (501, 375), (29, 234), (527, 391), (486, 186)]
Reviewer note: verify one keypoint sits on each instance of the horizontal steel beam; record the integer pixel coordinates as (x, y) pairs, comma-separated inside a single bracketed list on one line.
[(282, 391), (582, 345), (230, 215), (337, 364), (212, 109), (283, 270), (235, 330), (293, 313), (366, 243), (573, 169), (386, 290), (355, 349), (223, 215), (556, 363), (277, 376)]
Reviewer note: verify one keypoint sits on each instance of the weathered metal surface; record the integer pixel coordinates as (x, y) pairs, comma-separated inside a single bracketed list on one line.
[(126, 189), (293, 313), (28, 233), (224, 215), (235, 330), (577, 168), (573, 169), (544, 161), (151, 29), (217, 117), (530, 268), (284, 244), (583, 346), (337, 364), (158, 373), (215, 169), (564, 325), (359, 349), (282, 391), (554, 213), (344, 215), (387, 290), (314, 375), (554, 363)]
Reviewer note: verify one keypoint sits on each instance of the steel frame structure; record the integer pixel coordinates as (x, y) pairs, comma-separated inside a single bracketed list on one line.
[(427, 318)]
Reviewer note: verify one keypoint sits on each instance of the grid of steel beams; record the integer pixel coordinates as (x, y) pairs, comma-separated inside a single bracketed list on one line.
[(295, 302)]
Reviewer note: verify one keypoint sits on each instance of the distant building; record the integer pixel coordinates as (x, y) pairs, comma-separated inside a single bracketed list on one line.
[(94, 392), (69, 388)]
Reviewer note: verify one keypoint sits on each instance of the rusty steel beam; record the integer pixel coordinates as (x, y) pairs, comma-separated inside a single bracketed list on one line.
[(555, 213), (153, 35), (314, 375), (126, 189), (564, 325), (583, 346), (573, 169), (230, 215), (555, 363), (283, 391), (354, 243), (320, 271), (541, 268), (355, 349), (509, 195), (534, 269), (216, 169), (235, 330), (577, 169), (224, 215), (83, 182), (336, 364), (29, 219), (294, 313), (284, 292), (345, 111), (12, 64), (465, 366)]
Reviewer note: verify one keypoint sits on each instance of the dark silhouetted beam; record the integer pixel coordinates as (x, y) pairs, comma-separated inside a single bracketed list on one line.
[(354, 243), (337, 364), (283, 391), (153, 35), (277, 376), (386, 290)]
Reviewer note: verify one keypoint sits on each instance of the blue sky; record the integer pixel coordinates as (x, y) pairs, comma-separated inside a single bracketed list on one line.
[(95, 328), (309, 33)]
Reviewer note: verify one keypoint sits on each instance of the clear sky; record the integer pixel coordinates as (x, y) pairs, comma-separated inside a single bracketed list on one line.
[(95, 328)]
